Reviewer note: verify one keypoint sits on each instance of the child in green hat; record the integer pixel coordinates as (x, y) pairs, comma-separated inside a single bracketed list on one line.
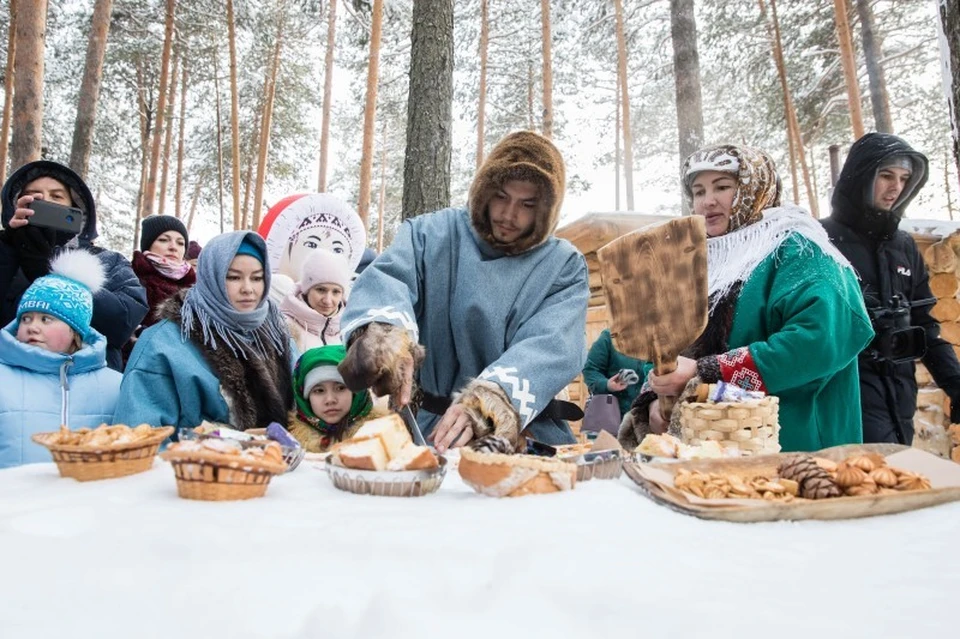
[(327, 412)]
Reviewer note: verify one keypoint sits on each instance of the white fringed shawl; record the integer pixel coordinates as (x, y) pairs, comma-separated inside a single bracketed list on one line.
[(732, 257)]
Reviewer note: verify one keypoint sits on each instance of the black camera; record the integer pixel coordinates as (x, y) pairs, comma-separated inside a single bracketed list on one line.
[(896, 340)]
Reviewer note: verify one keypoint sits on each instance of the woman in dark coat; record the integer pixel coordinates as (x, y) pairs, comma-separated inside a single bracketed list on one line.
[(26, 251)]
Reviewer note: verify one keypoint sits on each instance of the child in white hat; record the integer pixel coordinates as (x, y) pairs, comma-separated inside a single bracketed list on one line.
[(314, 307), (53, 365)]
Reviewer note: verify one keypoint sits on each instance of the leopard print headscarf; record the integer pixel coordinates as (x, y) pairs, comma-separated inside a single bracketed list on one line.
[(758, 184)]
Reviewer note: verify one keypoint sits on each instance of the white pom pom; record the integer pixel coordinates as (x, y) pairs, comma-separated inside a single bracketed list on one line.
[(81, 266)]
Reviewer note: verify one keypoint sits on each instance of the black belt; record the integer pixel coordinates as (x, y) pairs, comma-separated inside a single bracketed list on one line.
[(555, 409)]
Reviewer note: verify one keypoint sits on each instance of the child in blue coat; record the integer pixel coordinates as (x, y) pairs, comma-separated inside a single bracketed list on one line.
[(53, 365)]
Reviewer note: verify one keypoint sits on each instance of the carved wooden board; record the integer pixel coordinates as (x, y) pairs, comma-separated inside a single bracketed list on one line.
[(655, 282)]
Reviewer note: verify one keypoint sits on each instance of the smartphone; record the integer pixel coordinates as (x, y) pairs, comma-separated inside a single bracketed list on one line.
[(56, 216)]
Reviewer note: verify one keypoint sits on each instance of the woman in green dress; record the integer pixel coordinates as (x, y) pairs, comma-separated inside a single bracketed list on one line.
[(786, 314)]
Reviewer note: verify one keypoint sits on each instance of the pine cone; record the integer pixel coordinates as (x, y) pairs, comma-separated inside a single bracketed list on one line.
[(815, 482)]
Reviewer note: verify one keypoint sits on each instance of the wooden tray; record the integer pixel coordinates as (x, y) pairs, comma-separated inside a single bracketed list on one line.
[(944, 476)]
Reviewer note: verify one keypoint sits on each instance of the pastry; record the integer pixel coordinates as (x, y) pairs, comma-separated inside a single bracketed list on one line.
[(502, 475), (659, 446), (885, 477), (912, 481), (849, 476)]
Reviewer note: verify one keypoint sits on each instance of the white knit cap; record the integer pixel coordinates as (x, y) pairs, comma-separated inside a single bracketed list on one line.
[(319, 375), (324, 267)]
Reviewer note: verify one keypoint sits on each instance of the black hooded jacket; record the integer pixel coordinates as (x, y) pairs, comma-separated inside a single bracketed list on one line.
[(118, 307), (889, 264)]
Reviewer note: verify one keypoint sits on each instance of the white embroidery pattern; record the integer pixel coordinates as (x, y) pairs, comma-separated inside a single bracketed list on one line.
[(385, 313), (520, 390)]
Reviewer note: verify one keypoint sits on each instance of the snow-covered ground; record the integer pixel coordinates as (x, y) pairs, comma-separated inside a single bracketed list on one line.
[(128, 558)]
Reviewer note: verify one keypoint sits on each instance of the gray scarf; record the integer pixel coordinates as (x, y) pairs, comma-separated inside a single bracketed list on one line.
[(208, 305)]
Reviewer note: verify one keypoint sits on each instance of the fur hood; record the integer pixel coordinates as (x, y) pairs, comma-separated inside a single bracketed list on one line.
[(523, 155)]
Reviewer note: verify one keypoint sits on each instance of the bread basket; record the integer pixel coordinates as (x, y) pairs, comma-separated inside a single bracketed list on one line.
[(89, 463), (291, 455), (211, 476), (750, 427)]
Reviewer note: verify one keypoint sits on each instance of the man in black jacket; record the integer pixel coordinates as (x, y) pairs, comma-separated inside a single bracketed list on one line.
[(881, 176), (25, 252)]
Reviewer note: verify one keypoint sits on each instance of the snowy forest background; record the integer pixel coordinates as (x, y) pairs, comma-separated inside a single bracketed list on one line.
[(741, 97)]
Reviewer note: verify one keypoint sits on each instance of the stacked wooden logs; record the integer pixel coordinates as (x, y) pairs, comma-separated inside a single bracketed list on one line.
[(932, 419)]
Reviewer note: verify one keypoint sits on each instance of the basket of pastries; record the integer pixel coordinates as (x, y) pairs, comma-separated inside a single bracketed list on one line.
[(491, 467), (741, 422), (293, 452), (381, 459), (222, 470), (104, 452)]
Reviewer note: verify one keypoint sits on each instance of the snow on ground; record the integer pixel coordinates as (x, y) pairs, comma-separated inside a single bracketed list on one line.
[(128, 558)]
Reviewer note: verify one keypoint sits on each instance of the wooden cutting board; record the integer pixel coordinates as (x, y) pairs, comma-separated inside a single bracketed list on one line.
[(655, 283)]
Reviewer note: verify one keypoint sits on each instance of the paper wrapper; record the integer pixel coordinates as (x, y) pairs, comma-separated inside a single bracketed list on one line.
[(656, 480)]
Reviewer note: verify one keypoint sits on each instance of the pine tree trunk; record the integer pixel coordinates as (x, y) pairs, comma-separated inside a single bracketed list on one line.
[(90, 87), (8, 87), (616, 145), (624, 105), (370, 111), (547, 68), (686, 74), (426, 165), (150, 190), (193, 203), (216, 92), (794, 137), (143, 110), (178, 193), (849, 67), (267, 119), (28, 82), (235, 115), (950, 55), (482, 93), (168, 133), (872, 55), (327, 95), (382, 203), (530, 124)]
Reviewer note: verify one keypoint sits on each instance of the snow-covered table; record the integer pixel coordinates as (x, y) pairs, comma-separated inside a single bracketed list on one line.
[(128, 558)]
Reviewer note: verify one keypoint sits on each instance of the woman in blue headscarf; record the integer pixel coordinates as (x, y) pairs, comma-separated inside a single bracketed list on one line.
[(221, 352)]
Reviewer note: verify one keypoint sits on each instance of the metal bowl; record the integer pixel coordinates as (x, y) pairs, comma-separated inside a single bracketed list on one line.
[(603, 464), (386, 483)]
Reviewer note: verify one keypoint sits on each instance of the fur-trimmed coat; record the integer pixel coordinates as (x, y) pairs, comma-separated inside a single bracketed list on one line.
[(315, 441), (508, 314), (169, 381)]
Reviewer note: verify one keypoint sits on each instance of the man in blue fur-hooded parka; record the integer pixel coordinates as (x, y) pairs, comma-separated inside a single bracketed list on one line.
[(495, 299)]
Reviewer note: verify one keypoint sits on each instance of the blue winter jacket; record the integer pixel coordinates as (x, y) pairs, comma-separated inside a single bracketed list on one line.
[(31, 394), (168, 382), (515, 320), (182, 388)]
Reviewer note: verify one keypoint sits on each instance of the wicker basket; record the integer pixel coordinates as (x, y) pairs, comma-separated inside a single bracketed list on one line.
[(210, 476), (752, 427), (87, 463)]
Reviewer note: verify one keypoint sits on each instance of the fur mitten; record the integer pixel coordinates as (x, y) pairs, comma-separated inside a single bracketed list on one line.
[(636, 423), (377, 358), (491, 411)]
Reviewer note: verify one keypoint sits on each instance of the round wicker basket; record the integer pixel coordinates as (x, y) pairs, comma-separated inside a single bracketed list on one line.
[(88, 463), (752, 427), (210, 476)]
